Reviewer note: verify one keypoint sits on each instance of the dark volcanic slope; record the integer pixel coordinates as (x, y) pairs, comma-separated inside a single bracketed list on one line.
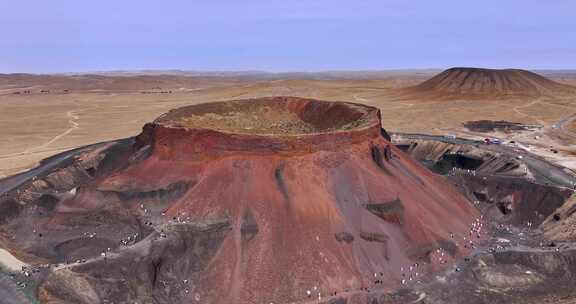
[(476, 81)]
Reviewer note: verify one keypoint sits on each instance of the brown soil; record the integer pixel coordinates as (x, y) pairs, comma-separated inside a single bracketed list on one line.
[(100, 108), (572, 127)]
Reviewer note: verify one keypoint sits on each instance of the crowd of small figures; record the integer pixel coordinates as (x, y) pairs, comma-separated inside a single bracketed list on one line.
[(413, 273), (27, 272), (458, 171), (409, 273)]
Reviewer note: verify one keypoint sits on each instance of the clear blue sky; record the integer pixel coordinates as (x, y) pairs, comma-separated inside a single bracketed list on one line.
[(285, 35)]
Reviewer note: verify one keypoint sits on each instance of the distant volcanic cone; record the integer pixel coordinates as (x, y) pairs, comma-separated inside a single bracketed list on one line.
[(273, 200), (460, 82)]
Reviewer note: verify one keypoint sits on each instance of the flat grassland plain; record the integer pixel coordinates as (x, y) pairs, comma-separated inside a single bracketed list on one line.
[(42, 115)]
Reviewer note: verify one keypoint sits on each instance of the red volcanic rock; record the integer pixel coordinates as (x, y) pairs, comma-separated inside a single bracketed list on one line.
[(273, 200), (318, 199)]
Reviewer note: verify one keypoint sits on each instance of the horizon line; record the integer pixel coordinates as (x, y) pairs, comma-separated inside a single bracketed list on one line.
[(170, 71)]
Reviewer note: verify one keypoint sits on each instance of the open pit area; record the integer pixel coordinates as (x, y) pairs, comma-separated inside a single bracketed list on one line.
[(489, 126), (149, 194)]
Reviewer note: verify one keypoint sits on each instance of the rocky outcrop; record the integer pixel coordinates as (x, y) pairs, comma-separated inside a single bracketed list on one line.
[(508, 189), (165, 267)]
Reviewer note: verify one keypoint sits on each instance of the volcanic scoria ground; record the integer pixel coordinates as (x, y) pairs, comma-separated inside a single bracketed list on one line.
[(287, 200)]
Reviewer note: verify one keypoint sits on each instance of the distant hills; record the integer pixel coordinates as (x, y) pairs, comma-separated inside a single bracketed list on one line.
[(463, 81), (468, 81)]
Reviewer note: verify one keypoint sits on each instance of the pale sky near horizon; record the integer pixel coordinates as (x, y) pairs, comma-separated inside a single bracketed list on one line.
[(289, 35)]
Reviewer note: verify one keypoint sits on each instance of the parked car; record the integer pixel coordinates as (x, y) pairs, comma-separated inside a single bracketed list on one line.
[(494, 141)]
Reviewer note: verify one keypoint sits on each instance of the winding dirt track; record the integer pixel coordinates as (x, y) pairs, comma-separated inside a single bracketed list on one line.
[(563, 123), (74, 117), (74, 125), (517, 110)]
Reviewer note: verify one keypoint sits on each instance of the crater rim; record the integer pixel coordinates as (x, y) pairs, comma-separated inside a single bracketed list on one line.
[(280, 116)]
